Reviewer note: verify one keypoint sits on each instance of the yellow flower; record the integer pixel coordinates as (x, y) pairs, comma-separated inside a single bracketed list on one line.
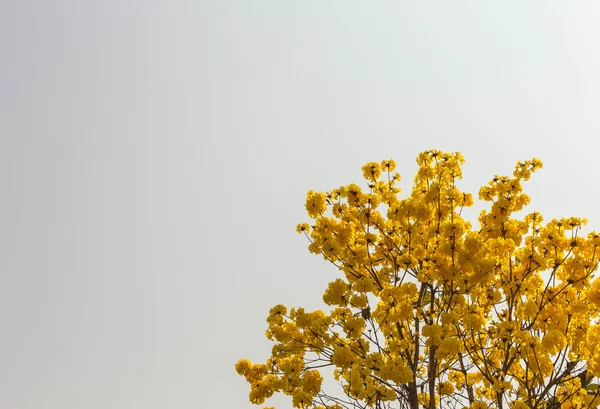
[(446, 388), (303, 227), (424, 399), (388, 165), (342, 357), (311, 382), (316, 203), (371, 171), (243, 366), (530, 309), (519, 404), (479, 405), (336, 293), (554, 341)]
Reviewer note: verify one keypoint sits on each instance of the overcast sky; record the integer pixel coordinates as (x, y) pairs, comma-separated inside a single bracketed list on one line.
[(155, 156)]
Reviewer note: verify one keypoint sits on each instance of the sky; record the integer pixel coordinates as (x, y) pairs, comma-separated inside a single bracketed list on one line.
[(155, 157)]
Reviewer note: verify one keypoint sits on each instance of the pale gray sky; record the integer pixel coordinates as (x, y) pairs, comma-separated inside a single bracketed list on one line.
[(155, 157)]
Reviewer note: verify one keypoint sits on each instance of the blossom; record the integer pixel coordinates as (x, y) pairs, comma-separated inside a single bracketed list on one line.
[(498, 312)]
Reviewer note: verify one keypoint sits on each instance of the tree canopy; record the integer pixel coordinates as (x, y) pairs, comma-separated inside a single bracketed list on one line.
[(429, 311)]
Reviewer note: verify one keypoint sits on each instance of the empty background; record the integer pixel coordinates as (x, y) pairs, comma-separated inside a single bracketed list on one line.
[(155, 156)]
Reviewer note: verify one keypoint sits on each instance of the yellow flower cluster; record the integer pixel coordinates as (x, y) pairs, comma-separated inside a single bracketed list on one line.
[(430, 311)]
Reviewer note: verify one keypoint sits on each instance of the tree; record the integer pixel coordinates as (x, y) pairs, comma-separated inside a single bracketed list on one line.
[(431, 312)]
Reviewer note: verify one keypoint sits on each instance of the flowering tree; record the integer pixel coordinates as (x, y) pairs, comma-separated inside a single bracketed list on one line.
[(431, 312)]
